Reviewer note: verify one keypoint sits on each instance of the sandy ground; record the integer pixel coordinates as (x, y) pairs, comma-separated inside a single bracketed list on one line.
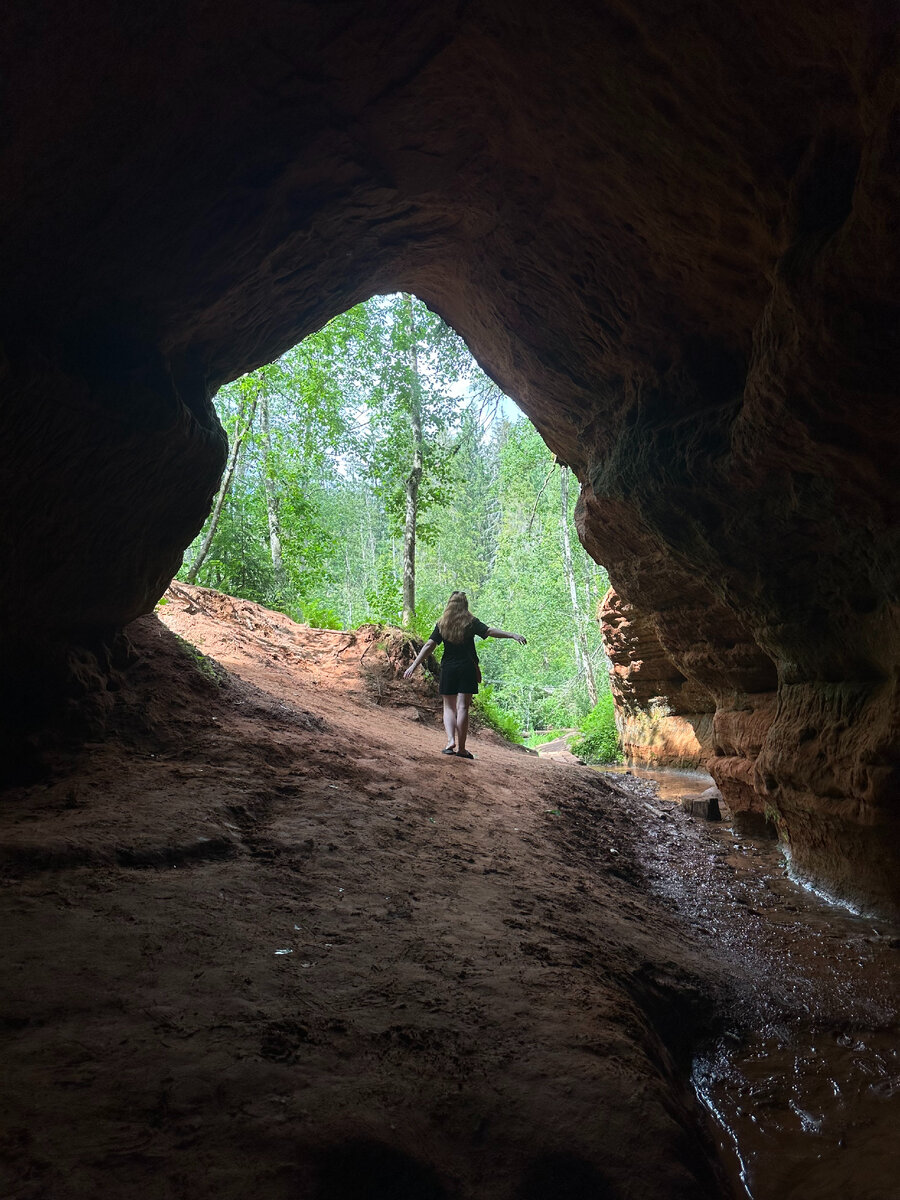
[(265, 941)]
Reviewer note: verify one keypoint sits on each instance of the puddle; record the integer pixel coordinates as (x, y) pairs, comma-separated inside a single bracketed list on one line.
[(671, 783), (806, 1112), (804, 1091)]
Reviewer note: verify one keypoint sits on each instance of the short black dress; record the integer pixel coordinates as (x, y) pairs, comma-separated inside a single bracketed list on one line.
[(458, 666)]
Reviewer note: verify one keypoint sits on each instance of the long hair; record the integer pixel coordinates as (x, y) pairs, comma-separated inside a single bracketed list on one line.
[(456, 618)]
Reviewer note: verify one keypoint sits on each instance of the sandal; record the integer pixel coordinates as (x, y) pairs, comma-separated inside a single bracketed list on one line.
[(464, 754), (448, 750)]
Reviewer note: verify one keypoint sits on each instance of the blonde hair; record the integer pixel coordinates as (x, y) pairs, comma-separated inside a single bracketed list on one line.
[(456, 618)]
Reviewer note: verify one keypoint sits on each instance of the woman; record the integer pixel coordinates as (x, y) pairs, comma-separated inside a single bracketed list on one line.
[(460, 673)]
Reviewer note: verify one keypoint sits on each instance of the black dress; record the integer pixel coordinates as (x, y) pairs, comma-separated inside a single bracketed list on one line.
[(460, 661)]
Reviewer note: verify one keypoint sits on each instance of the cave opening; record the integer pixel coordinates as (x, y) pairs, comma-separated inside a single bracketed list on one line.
[(728, 1070), (373, 469), (669, 236)]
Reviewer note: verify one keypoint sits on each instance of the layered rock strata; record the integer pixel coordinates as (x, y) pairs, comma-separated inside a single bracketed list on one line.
[(670, 720), (665, 719), (666, 232)]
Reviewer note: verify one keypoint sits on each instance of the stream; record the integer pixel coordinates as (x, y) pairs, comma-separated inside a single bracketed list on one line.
[(803, 1086)]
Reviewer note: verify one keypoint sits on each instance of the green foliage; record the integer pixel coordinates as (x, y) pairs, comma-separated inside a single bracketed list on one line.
[(491, 714), (526, 590), (319, 616), (385, 394), (599, 741), (385, 595), (546, 735), (328, 466)]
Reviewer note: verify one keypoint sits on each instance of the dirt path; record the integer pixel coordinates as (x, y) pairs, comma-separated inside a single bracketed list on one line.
[(265, 941)]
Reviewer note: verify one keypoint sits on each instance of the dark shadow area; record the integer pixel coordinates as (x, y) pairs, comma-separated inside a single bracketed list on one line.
[(564, 1177), (366, 1170)]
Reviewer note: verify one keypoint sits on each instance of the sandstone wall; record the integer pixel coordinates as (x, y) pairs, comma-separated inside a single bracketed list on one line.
[(665, 719), (669, 233)]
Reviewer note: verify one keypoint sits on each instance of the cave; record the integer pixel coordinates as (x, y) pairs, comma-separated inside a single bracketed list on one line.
[(667, 231)]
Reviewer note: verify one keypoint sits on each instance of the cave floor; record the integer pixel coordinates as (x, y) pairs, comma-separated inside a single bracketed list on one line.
[(263, 940)]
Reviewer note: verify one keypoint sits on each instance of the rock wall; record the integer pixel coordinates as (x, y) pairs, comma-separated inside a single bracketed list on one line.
[(667, 232), (665, 719), (668, 719)]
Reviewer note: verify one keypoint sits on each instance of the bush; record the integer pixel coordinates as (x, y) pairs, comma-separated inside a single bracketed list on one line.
[(599, 742), (317, 615), (491, 714)]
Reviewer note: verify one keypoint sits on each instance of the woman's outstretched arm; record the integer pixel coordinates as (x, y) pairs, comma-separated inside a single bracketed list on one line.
[(426, 650), (516, 637)]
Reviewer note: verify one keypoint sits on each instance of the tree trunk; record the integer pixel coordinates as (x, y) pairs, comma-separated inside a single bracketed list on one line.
[(242, 428), (272, 502), (577, 617), (348, 586), (415, 476)]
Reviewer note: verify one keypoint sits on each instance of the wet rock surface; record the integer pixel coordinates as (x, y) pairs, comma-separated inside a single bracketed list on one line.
[(666, 234), (802, 1079)]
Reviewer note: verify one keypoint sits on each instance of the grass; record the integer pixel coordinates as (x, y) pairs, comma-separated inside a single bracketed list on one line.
[(491, 714), (599, 737), (545, 735)]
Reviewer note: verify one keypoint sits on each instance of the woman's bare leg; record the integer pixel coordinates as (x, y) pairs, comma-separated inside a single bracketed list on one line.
[(450, 719), (463, 703)]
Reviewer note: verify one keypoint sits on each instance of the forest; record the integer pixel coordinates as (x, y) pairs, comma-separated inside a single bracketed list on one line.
[(374, 468)]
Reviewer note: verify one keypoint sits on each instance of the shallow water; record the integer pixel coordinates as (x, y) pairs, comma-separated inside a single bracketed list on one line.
[(806, 1111), (671, 784), (803, 1088)]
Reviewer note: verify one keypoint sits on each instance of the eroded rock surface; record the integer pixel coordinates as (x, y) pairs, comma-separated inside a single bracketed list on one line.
[(665, 718), (667, 232)]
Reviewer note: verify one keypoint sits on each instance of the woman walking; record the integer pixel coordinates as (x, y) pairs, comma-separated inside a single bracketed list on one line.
[(460, 672)]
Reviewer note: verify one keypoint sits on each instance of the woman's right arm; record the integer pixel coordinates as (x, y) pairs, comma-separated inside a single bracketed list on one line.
[(426, 650), (516, 637)]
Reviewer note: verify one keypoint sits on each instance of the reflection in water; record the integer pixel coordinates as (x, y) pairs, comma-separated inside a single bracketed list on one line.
[(670, 784), (807, 1112), (804, 1089)]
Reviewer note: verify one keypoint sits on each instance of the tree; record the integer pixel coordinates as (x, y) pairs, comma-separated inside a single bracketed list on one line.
[(529, 589), (414, 403), (582, 652), (414, 479), (249, 393), (278, 467), (369, 474), (269, 469)]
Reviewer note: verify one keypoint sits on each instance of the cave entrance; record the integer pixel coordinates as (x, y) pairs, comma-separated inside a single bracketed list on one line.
[(374, 468)]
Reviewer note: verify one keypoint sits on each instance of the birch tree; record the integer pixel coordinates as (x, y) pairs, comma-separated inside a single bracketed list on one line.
[(243, 425), (414, 479), (269, 471), (582, 650)]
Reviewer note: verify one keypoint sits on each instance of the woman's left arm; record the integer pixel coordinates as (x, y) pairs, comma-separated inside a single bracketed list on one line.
[(499, 633)]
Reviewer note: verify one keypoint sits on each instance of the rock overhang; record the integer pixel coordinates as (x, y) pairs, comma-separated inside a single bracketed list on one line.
[(667, 235)]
